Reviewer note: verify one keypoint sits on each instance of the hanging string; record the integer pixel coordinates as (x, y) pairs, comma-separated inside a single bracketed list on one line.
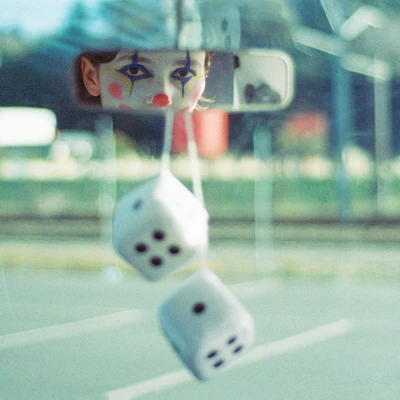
[(166, 153), (194, 158), (196, 173)]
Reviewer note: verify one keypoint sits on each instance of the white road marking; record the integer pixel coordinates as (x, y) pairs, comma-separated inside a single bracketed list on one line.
[(155, 385), (70, 329), (61, 308), (295, 342), (259, 353)]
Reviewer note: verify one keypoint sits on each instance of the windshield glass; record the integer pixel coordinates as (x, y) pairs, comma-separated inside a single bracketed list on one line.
[(253, 250)]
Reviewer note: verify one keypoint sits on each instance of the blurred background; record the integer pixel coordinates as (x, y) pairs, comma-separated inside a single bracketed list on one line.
[(326, 168), (304, 204)]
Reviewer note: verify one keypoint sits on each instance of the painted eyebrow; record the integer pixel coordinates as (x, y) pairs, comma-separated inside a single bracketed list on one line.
[(128, 57)]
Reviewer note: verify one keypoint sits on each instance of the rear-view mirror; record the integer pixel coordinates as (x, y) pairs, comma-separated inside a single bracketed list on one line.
[(252, 81)]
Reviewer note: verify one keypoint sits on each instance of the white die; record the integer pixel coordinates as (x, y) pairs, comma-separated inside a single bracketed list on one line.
[(206, 325), (160, 226)]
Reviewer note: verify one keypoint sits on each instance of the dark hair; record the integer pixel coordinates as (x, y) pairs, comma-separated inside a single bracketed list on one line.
[(102, 57), (96, 58)]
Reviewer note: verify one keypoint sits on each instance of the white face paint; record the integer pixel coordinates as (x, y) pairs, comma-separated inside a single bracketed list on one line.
[(144, 80)]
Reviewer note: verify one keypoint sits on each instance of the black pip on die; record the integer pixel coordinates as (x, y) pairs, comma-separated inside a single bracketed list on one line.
[(160, 226)]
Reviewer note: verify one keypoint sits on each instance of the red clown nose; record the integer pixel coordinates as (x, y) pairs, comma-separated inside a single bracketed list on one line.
[(161, 100)]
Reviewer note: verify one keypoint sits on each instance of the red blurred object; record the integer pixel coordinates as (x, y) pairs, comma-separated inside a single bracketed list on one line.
[(161, 100), (211, 133), (308, 123)]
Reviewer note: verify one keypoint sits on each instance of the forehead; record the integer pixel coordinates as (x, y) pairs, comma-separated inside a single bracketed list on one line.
[(168, 58)]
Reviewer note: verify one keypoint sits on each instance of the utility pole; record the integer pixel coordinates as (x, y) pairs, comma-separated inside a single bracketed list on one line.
[(342, 106)]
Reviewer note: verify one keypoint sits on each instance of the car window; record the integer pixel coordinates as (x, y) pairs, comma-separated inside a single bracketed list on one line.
[(252, 247)]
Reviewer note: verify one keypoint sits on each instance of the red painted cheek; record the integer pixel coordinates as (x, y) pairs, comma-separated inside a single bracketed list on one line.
[(196, 95), (115, 90)]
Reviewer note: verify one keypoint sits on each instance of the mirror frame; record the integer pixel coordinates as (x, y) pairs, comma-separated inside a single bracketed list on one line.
[(285, 85)]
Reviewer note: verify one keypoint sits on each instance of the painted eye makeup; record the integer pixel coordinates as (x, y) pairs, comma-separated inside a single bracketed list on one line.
[(184, 74), (135, 71)]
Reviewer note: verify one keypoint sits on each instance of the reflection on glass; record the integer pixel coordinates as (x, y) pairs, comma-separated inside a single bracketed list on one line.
[(132, 80), (263, 80), (180, 80)]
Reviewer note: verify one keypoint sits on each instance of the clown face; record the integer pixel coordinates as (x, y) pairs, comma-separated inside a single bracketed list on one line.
[(148, 80)]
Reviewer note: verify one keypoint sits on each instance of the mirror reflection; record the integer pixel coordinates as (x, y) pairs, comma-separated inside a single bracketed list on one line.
[(180, 80), (132, 80)]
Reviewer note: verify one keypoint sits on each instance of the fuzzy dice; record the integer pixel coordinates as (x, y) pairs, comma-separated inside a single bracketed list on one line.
[(206, 325), (160, 226)]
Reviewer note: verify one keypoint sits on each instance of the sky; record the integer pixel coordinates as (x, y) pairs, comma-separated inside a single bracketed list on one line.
[(36, 16)]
